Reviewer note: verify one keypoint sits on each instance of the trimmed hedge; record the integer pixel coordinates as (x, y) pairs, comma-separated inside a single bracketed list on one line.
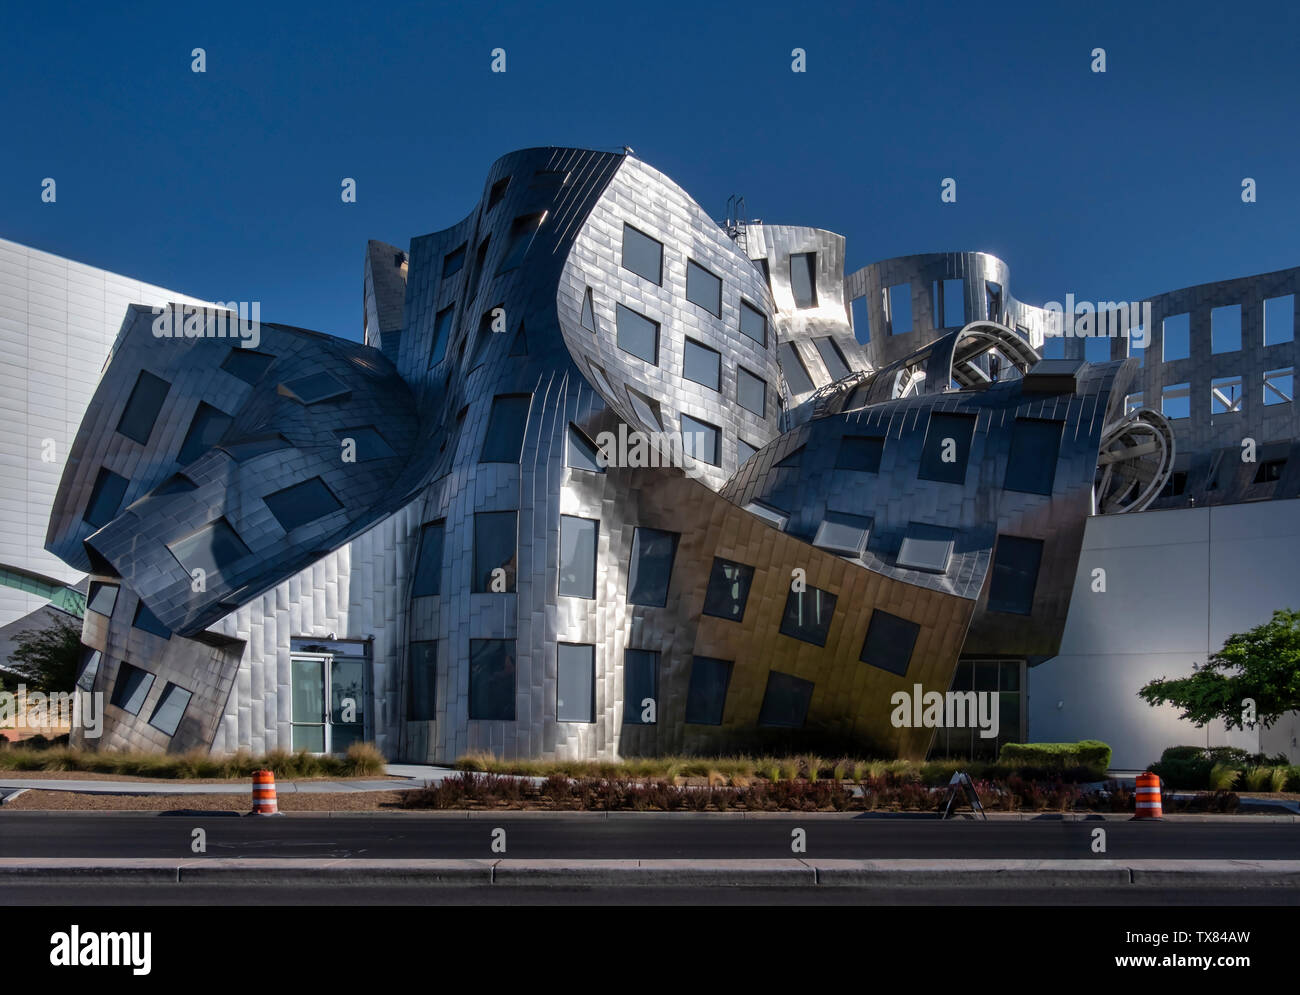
[(1090, 754)]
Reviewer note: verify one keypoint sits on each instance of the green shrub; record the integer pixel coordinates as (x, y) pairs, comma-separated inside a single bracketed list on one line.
[(1223, 777), (1089, 754)]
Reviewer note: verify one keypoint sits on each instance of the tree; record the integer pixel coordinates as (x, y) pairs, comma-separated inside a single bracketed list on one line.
[(1262, 665), (46, 659)]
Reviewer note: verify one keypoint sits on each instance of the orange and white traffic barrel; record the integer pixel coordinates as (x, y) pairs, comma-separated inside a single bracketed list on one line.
[(1148, 797), (264, 793)]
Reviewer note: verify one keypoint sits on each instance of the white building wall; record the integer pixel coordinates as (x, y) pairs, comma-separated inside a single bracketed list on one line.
[(1178, 583), (58, 319)]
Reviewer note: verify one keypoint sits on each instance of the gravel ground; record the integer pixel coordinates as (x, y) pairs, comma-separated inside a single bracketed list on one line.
[(351, 801)]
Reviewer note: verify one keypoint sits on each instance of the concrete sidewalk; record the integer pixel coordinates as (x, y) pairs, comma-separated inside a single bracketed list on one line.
[(416, 777), (790, 872)]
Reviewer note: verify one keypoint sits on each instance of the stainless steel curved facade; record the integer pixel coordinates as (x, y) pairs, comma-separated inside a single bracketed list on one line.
[(816, 520)]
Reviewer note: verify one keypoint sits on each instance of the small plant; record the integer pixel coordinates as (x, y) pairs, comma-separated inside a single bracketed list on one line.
[(839, 770), (813, 765), (789, 770), (1223, 777), (1257, 778), (1277, 778)]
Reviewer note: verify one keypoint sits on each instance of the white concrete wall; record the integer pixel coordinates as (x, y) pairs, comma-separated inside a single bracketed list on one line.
[(1178, 583), (58, 319)]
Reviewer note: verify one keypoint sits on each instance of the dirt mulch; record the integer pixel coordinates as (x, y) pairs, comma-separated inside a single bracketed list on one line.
[(66, 801)]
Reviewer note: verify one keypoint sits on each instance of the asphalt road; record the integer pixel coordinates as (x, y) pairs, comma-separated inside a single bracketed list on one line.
[(69, 835)]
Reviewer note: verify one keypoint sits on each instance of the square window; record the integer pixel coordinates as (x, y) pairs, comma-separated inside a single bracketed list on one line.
[(1015, 574), (637, 334), (1225, 395), (497, 192), (836, 365), (1035, 448), (367, 443), (703, 288), (1279, 320), (427, 581), (205, 431), (728, 590), (494, 551), (454, 261), (131, 688), (808, 615), (575, 684), (302, 503), (583, 454), (898, 304), (803, 279), (646, 409), (1225, 329), (707, 695), (843, 533), (492, 679), (701, 364), (1176, 401), (1279, 385), (700, 440), (753, 323), (102, 599), (522, 232), (246, 364), (169, 711), (105, 498), (751, 392), (441, 333), (142, 407), (744, 451), (651, 567), (861, 453), (640, 686), (1176, 336), (422, 670), (926, 547), (578, 556), (796, 374), (504, 440), (214, 548), (889, 643), (786, 701), (947, 447), (148, 621), (643, 255)]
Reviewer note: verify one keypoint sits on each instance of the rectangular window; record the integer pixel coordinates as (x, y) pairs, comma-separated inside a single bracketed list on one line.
[(954, 303), (492, 679), (707, 695), (575, 684), (441, 333), (703, 288), (753, 323), (860, 452), (422, 671), (1176, 336), (1176, 401), (578, 556), (640, 687), (1225, 328), (142, 407), (583, 454), (889, 643), (701, 364), (105, 498), (775, 518), (205, 431), (454, 261), (860, 317), (504, 440), (102, 599), (836, 365), (947, 447), (843, 533), (643, 255), (497, 192), (247, 365), (751, 392), (522, 232), (212, 549), (808, 615), (131, 688), (743, 451), (427, 581), (796, 374), (637, 334), (148, 621), (700, 440), (495, 537), (302, 503), (316, 388), (651, 567), (1015, 574), (1225, 395), (1031, 464), (480, 257), (786, 701), (247, 449), (898, 307), (367, 443), (169, 711), (1279, 385), (89, 668), (728, 590), (926, 547), (803, 279), (1279, 320), (993, 300)]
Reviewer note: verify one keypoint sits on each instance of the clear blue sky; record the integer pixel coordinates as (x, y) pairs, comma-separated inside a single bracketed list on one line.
[(225, 185)]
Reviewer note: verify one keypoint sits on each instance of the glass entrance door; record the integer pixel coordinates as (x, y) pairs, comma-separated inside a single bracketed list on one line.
[(329, 701)]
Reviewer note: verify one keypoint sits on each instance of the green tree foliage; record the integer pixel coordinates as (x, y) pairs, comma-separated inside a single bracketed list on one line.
[(46, 659), (1262, 665)]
